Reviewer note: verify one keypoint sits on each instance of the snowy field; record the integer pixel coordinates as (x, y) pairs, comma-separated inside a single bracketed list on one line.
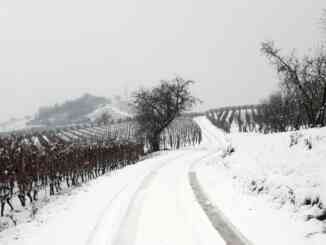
[(273, 187)]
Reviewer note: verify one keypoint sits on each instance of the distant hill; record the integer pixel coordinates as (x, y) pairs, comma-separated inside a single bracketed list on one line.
[(72, 111), (85, 109)]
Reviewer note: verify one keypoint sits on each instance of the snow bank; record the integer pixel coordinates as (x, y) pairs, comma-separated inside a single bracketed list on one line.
[(273, 187), (289, 167)]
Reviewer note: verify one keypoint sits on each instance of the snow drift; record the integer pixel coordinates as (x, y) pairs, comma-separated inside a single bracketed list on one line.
[(272, 182)]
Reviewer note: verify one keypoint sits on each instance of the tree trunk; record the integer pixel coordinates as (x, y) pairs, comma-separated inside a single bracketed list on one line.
[(155, 142), (321, 115)]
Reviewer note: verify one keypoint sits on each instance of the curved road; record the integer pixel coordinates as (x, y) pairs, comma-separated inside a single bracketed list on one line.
[(159, 201)]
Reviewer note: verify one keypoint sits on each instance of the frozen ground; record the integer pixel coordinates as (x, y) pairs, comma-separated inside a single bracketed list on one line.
[(184, 197)]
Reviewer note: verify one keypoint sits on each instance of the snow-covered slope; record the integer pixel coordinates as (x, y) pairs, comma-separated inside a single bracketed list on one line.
[(273, 187), (112, 110)]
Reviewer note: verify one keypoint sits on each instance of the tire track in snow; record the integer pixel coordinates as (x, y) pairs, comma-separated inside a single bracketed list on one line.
[(126, 234), (93, 236), (195, 227), (225, 228), (100, 219)]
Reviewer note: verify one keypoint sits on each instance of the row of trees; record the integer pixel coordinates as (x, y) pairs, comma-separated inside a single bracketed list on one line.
[(182, 132), (243, 118), (301, 98)]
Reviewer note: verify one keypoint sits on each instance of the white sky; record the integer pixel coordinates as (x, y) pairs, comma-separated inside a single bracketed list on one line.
[(51, 51)]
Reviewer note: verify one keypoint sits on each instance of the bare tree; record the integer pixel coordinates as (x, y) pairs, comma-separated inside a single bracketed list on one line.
[(157, 107), (302, 78), (105, 118)]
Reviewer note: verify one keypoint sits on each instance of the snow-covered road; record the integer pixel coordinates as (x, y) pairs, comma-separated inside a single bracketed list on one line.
[(164, 211), (151, 202)]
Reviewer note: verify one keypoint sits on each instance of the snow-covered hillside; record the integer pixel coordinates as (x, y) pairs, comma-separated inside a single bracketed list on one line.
[(113, 110), (273, 187)]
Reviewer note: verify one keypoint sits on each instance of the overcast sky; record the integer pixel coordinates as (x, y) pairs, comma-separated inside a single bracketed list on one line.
[(51, 51)]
